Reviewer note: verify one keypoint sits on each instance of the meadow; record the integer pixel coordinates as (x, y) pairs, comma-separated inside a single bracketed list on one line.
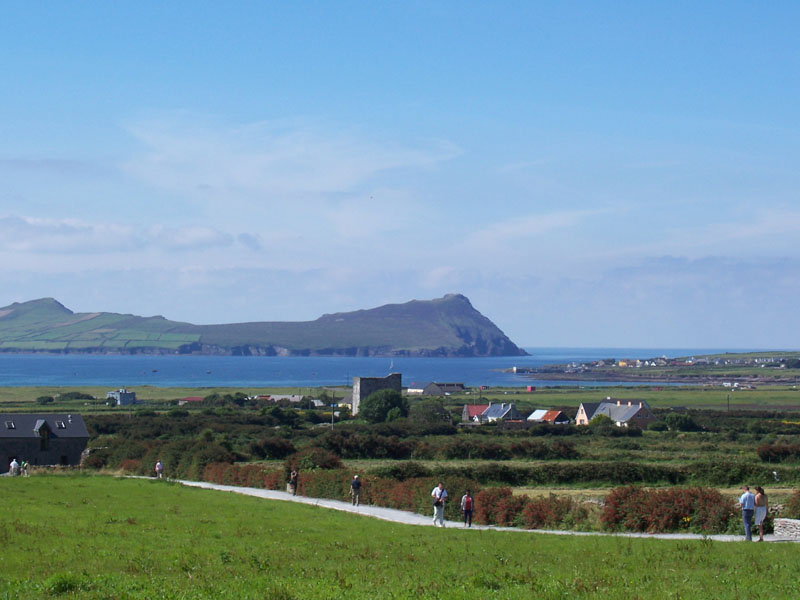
[(100, 537)]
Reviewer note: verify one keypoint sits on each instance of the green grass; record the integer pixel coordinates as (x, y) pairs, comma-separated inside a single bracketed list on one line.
[(97, 537)]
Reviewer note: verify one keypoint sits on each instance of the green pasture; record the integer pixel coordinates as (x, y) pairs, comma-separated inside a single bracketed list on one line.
[(657, 396), (153, 397), (713, 397), (100, 537)]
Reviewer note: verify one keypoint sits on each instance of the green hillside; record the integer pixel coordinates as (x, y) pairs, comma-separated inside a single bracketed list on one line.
[(447, 326)]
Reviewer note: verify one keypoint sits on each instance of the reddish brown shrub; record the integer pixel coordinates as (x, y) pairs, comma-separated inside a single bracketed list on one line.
[(486, 503), (697, 509)]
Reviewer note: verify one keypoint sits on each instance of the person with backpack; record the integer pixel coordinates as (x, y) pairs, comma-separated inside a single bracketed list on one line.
[(439, 495), (467, 506)]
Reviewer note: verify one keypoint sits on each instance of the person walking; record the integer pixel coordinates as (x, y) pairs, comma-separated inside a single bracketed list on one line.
[(355, 489), (439, 495), (747, 502), (159, 468), (24, 468), (467, 506), (293, 483), (13, 467), (762, 504)]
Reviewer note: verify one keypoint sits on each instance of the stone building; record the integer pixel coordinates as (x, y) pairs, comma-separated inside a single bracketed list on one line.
[(121, 397), (364, 386), (42, 439)]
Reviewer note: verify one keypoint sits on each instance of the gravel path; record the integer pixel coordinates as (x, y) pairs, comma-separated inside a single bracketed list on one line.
[(409, 518)]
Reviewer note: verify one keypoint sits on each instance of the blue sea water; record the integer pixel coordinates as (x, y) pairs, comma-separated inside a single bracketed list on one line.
[(260, 371)]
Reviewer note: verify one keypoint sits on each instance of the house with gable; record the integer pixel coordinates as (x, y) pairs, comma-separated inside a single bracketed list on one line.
[(442, 389), (622, 412), (470, 412), (499, 411), (42, 439)]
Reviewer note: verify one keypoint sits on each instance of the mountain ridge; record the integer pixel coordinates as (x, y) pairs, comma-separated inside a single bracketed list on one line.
[(449, 326)]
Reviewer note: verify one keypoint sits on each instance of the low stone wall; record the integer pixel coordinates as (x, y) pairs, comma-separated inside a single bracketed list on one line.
[(787, 528)]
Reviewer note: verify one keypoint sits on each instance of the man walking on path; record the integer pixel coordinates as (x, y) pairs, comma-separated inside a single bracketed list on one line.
[(355, 489), (13, 468), (748, 503), (159, 469), (439, 495)]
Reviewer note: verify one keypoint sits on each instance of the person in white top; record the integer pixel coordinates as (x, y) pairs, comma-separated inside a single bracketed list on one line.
[(13, 468), (761, 511), (439, 495)]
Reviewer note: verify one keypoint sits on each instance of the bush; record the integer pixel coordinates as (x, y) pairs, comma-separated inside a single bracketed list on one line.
[(403, 470), (486, 503), (681, 422), (778, 452), (376, 407), (792, 508), (554, 512), (311, 459), (703, 510), (271, 448)]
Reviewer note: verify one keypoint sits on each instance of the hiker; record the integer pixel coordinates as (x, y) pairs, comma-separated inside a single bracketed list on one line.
[(439, 495), (293, 483), (467, 504), (747, 502), (762, 505), (159, 469), (24, 468), (355, 489), (13, 468)]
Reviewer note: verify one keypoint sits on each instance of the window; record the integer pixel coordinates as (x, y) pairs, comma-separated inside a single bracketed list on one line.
[(44, 439), (10, 425), (60, 425)]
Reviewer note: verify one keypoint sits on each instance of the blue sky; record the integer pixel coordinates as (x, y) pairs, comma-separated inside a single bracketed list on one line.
[(587, 173)]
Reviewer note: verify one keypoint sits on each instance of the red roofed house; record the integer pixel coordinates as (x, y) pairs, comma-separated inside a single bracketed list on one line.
[(471, 411)]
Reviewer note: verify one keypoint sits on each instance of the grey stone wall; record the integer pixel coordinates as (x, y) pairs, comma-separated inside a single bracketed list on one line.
[(364, 386), (63, 451), (787, 528)]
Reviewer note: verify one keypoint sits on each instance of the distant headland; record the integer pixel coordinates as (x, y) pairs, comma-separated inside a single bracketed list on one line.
[(443, 327)]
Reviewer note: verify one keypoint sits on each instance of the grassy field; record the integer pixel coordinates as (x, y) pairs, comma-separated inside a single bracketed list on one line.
[(99, 537), (779, 397)]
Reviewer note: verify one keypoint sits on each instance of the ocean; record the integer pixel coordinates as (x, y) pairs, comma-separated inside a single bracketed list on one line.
[(116, 371)]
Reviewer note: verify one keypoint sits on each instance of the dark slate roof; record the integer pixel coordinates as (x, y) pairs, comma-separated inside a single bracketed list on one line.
[(28, 425), (498, 411), (620, 413), (590, 408)]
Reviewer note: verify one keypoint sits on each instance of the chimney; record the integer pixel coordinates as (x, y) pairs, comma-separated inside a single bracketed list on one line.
[(619, 402), (630, 403)]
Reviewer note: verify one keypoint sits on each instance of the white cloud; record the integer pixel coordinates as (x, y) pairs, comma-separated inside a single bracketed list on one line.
[(269, 160), (73, 236)]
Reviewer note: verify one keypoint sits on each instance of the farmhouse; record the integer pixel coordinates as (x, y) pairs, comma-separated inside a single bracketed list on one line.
[(499, 412), (364, 386), (471, 411), (556, 417), (622, 412), (42, 439), (442, 389)]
